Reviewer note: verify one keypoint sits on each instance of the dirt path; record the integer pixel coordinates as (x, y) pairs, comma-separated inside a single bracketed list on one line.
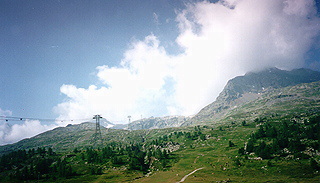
[(186, 176)]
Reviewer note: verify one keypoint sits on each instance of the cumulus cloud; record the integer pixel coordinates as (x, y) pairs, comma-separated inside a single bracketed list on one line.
[(137, 87), (219, 40), (14, 133)]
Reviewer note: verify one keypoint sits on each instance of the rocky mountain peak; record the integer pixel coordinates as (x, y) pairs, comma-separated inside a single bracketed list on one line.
[(242, 89)]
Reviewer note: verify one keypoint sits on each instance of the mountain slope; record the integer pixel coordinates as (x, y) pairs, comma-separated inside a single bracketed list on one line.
[(243, 89), (158, 122), (74, 136), (299, 100)]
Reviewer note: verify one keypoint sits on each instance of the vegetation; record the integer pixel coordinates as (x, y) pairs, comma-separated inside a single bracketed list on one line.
[(46, 164), (34, 165), (274, 148), (298, 138)]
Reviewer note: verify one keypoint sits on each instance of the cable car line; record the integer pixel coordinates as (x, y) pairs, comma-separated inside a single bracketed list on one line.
[(14, 118)]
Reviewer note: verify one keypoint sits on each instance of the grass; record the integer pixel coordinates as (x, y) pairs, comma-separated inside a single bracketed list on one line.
[(219, 164)]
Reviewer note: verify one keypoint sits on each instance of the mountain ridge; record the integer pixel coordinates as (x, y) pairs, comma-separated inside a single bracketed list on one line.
[(243, 89), (158, 122)]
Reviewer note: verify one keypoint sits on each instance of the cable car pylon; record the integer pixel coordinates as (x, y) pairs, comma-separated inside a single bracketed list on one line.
[(97, 133)]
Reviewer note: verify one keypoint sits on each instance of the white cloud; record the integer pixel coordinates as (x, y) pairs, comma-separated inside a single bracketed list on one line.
[(156, 18), (137, 87), (5, 112), (11, 134), (220, 41)]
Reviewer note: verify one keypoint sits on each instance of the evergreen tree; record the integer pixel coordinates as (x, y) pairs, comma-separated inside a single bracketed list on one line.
[(314, 165), (250, 146), (231, 144), (244, 123)]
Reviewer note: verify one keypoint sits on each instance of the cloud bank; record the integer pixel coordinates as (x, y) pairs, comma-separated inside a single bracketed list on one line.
[(14, 133), (219, 41)]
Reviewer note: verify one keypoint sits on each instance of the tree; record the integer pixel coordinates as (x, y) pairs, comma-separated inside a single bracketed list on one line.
[(76, 150), (241, 151), (92, 156), (137, 162), (314, 165), (250, 146), (244, 123), (63, 169), (202, 136), (263, 150), (50, 151), (231, 144), (165, 154)]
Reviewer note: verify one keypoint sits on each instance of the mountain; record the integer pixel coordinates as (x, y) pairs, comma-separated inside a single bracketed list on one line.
[(267, 93), (73, 136), (158, 122), (58, 138), (243, 89), (268, 130), (120, 126), (298, 100), (105, 123)]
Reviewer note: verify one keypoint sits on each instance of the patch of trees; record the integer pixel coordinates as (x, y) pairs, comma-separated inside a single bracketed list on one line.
[(133, 156), (288, 137), (33, 164), (196, 134), (42, 163), (137, 158), (158, 159), (192, 135)]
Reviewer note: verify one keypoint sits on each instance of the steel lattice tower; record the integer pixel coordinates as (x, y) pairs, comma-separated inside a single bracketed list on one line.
[(97, 133)]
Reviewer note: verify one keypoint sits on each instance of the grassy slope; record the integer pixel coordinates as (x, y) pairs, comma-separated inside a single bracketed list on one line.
[(217, 158)]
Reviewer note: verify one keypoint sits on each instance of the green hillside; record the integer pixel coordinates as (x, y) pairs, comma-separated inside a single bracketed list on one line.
[(219, 151)]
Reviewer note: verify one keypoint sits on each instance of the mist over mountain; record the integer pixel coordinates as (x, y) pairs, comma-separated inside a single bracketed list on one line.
[(238, 91)]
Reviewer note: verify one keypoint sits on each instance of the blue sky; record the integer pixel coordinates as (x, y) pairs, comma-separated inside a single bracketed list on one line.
[(71, 59), (45, 44)]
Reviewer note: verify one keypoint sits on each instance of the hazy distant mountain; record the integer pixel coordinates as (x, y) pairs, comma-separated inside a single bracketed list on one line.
[(120, 126), (243, 89), (157, 122), (105, 123)]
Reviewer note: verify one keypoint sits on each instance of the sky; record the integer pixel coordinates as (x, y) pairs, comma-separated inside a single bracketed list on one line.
[(67, 60)]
